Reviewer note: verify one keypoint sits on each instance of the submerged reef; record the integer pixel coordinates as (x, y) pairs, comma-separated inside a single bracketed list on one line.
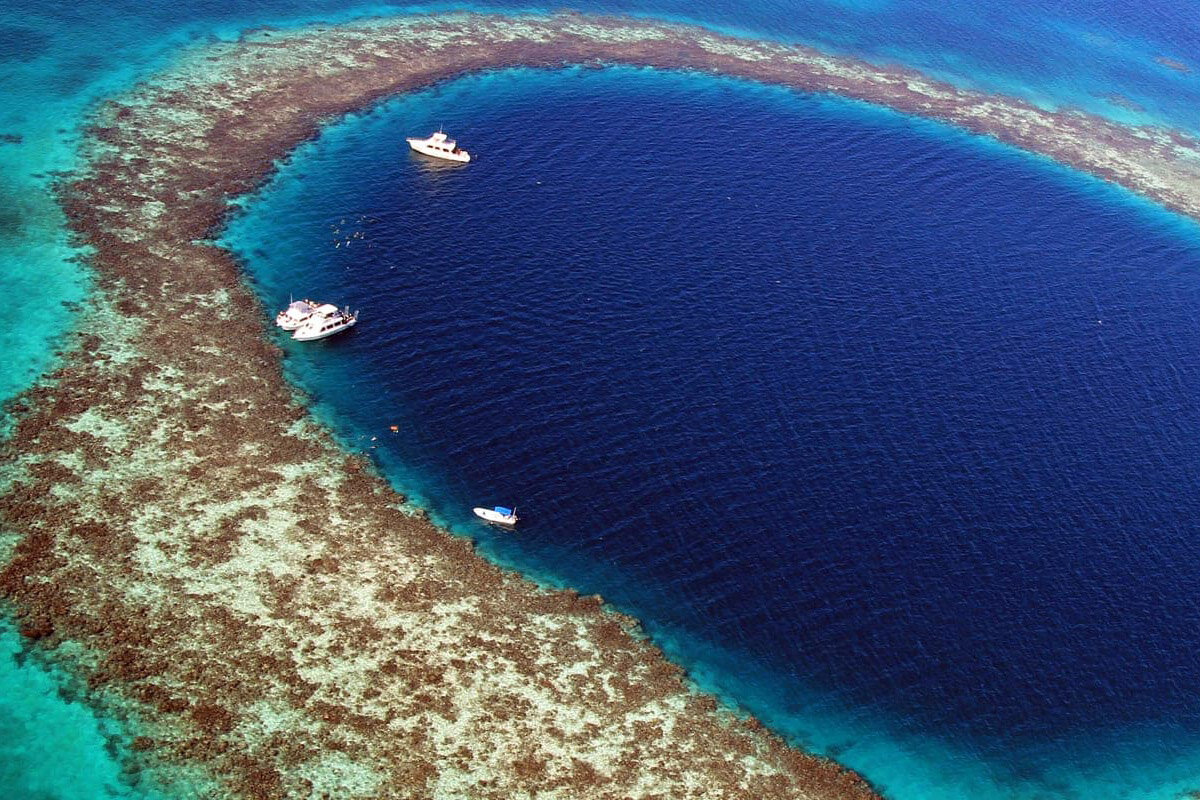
[(203, 555)]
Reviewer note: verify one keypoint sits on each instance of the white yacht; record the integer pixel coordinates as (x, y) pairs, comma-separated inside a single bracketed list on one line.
[(326, 320), (498, 515), (439, 146), (297, 312)]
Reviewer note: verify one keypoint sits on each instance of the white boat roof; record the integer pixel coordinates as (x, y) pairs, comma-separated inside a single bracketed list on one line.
[(301, 306), (438, 137), (326, 308)]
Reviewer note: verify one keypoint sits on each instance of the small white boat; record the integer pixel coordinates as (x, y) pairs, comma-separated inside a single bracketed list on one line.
[(296, 314), (326, 320), (498, 515), (439, 146)]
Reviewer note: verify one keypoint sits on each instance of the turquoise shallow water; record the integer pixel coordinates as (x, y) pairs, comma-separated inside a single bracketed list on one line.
[(52, 747), (59, 58)]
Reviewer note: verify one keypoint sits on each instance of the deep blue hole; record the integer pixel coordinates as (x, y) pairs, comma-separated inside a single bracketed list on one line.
[(871, 406)]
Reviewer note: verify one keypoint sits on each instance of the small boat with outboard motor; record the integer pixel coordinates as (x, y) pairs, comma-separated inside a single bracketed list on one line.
[(498, 515)]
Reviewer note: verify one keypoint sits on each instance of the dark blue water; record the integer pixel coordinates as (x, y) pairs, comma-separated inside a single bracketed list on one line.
[(885, 431)]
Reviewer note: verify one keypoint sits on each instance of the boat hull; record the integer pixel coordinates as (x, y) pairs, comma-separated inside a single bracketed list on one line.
[(302, 335), (418, 145), (289, 324), (495, 518)]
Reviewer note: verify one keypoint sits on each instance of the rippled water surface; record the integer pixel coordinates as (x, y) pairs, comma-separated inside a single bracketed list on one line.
[(886, 431)]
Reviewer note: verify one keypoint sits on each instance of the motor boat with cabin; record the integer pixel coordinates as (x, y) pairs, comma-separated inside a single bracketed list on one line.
[(439, 145), (296, 314), (326, 320), (499, 515)]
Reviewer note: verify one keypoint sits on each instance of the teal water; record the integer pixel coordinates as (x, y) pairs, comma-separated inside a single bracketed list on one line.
[(51, 746), (58, 59)]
